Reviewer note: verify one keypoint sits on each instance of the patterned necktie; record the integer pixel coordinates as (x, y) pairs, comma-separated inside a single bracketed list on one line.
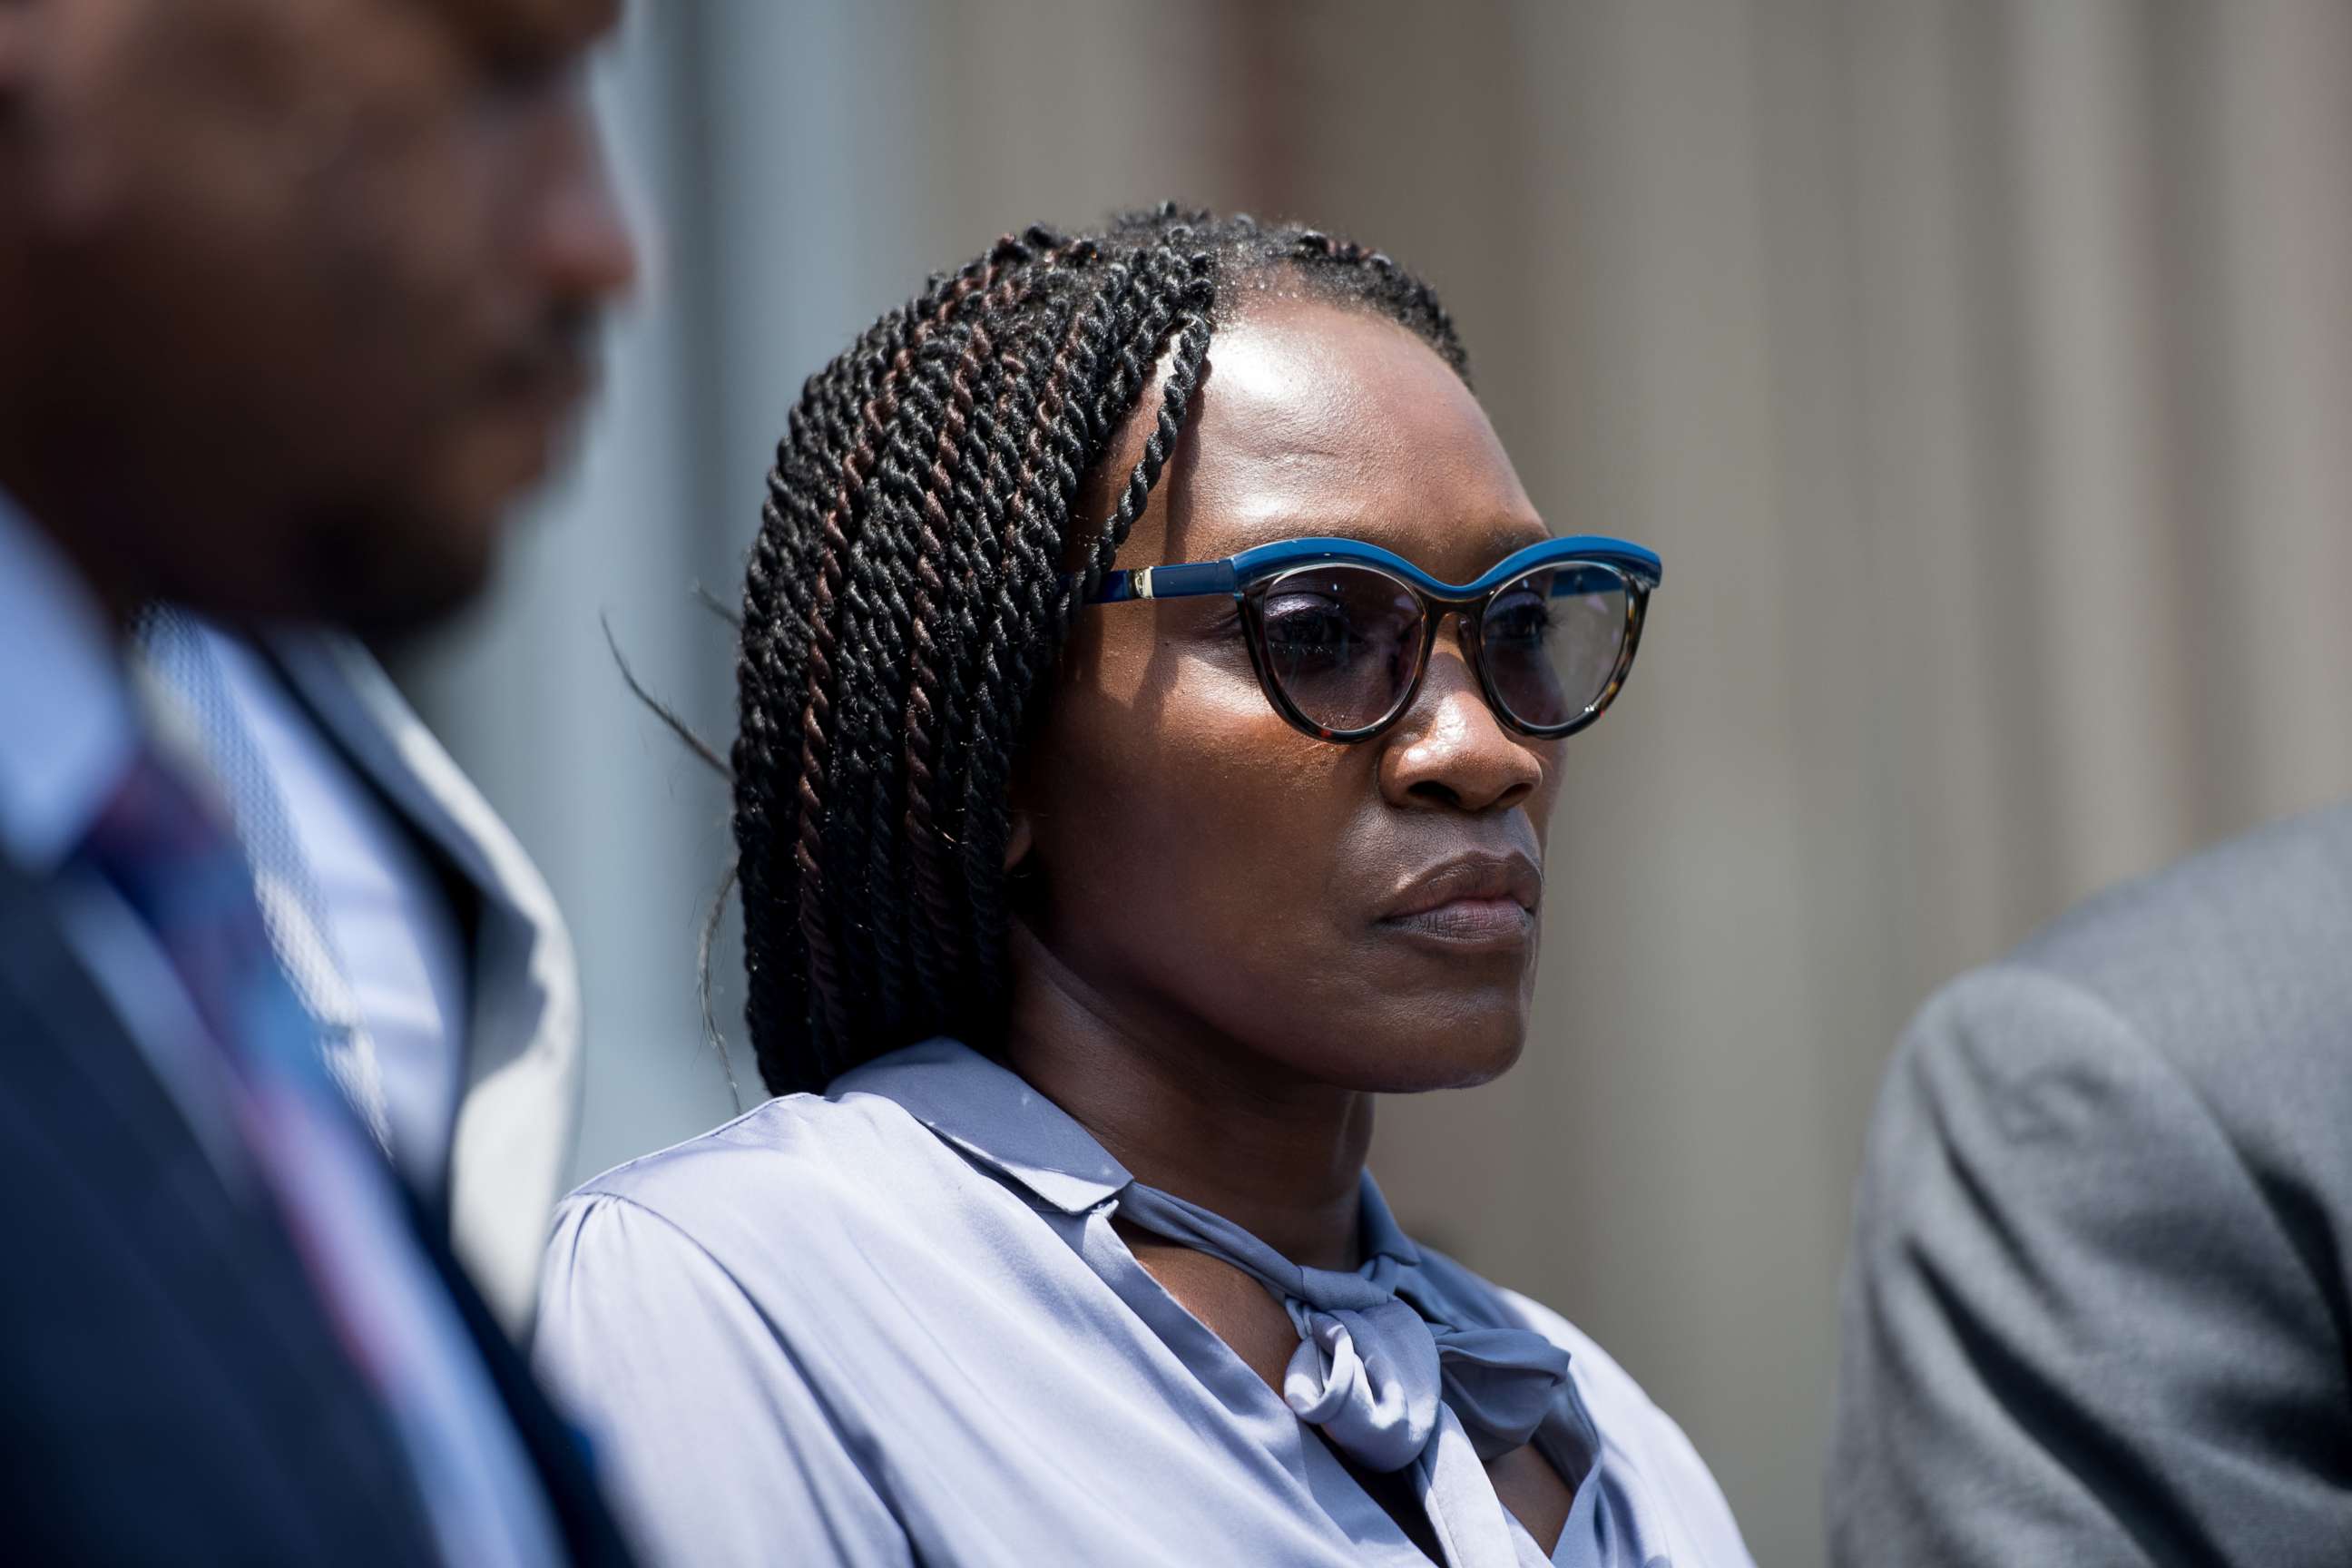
[(160, 847), (293, 910)]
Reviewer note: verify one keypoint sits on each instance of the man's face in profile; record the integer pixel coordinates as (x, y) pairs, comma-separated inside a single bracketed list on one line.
[(310, 282)]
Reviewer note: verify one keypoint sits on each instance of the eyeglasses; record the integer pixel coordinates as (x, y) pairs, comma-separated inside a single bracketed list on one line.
[(1339, 631)]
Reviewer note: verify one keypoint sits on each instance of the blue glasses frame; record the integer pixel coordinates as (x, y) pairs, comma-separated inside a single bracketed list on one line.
[(1248, 576)]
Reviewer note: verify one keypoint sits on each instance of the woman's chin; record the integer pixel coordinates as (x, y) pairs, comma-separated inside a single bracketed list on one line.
[(1462, 1057)]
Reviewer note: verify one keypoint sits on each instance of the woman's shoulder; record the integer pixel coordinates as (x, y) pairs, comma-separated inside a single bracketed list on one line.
[(1628, 1420), (1603, 1379), (778, 1165), (1478, 1299)]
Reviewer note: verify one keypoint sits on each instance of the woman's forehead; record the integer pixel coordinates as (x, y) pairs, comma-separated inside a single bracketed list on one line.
[(1320, 418)]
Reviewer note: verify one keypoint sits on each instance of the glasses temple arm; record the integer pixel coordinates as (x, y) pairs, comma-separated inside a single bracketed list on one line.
[(1179, 582)]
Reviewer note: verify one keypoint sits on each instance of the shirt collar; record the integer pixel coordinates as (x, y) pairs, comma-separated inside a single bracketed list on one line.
[(989, 1113), (1378, 1233), (67, 728)]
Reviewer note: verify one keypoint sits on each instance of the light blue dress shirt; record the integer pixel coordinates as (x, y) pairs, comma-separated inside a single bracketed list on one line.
[(358, 922), (896, 1325)]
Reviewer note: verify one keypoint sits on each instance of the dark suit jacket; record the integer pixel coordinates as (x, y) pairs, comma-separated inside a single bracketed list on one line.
[(2099, 1307), (170, 1390)]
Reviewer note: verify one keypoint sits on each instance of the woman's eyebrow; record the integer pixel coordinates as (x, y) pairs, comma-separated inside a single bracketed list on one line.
[(1517, 533), (1500, 535)]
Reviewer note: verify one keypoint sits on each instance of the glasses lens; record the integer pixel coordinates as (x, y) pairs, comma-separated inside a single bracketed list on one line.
[(1551, 639), (1342, 643)]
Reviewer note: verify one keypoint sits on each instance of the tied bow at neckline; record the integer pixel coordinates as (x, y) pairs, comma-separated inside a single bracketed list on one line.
[(1370, 1371)]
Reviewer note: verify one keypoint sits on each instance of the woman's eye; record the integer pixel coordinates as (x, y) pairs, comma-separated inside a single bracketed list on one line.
[(1300, 626), (1521, 618), (1303, 619)]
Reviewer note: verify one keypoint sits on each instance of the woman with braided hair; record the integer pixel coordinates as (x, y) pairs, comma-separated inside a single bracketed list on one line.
[(1155, 684)]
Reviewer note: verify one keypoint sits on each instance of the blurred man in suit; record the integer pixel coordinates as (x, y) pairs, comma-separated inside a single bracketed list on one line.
[(294, 298), (2099, 1307)]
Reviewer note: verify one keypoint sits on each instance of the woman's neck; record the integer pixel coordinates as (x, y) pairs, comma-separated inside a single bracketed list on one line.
[(1187, 1111)]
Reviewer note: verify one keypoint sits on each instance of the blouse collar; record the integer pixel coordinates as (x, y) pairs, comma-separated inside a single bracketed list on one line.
[(992, 1114)]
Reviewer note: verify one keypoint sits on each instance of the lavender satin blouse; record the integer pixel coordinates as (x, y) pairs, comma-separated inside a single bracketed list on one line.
[(894, 1325)]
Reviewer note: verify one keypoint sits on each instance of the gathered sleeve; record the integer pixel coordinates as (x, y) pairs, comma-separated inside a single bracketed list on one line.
[(712, 1442)]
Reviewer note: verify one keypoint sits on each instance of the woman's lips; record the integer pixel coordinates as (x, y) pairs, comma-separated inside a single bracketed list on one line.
[(1469, 923), (1472, 901)]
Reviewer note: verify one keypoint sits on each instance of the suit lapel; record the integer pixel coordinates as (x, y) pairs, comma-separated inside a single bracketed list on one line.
[(521, 1101), (209, 1242)]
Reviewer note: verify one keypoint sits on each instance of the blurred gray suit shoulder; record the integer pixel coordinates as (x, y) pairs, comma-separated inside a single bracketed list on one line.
[(520, 1088), (2096, 1307)]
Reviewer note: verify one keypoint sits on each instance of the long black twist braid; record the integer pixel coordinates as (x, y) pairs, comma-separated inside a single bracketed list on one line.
[(917, 569)]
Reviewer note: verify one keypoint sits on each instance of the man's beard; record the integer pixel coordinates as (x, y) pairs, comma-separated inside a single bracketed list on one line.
[(384, 572)]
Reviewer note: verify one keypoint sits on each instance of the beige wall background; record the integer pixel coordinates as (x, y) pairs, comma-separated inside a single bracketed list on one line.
[(1981, 368)]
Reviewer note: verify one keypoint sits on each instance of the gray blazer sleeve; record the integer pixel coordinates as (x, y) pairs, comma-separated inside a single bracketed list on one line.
[(2083, 1323)]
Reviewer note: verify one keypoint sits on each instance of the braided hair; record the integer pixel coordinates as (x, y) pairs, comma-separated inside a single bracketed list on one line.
[(918, 566)]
